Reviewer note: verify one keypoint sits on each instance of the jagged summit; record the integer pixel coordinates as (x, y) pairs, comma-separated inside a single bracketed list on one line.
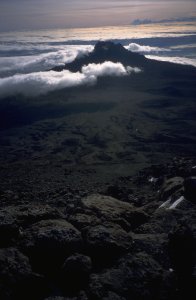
[(106, 51), (105, 47)]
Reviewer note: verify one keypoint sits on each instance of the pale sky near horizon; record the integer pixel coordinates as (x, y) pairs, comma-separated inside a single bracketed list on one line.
[(46, 14)]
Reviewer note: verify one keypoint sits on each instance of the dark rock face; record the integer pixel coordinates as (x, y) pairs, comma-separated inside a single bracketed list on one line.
[(16, 276), (131, 278), (181, 250), (107, 242), (49, 242), (75, 272), (190, 189), (9, 230), (182, 253)]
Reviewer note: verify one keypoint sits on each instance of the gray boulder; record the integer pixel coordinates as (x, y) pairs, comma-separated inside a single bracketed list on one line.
[(112, 210)]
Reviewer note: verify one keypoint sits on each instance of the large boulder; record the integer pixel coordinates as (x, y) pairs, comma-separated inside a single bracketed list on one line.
[(49, 242), (24, 215), (106, 242), (135, 277), (156, 245), (82, 220), (109, 209)]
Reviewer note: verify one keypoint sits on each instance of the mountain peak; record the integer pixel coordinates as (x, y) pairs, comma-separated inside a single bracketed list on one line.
[(106, 51), (108, 46)]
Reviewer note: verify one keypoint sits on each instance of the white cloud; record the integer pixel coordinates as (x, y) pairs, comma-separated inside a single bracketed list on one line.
[(144, 49), (108, 68), (133, 70), (175, 60), (44, 61), (42, 82)]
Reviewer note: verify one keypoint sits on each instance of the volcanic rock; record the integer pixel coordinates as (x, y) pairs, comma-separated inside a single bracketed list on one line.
[(17, 281), (106, 242), (49, 242), (75, 272), (190, 189), (112, 210), (135, 277)]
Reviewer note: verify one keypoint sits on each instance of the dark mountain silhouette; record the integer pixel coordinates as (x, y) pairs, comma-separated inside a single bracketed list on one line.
[(109, 51), (106, 51)]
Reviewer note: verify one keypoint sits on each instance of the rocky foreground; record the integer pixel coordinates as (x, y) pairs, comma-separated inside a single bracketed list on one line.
[(135, 240)]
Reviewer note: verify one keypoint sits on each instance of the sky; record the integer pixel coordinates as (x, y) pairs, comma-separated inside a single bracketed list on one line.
[(48, 14)]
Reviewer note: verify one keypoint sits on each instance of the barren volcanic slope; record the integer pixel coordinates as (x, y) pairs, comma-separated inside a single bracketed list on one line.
[(91, 134), (122, 137)]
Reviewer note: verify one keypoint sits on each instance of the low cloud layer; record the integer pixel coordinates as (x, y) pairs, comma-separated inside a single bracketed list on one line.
[(41, 82), (162, 21), (37, 83), (144, 49), (42, 62), (175, 60)]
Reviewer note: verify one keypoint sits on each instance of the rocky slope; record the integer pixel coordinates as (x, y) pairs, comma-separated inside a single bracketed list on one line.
[(98, 186), (135, 240)]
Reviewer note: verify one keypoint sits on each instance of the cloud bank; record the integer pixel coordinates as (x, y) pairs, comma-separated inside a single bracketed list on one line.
[(175, 60), (37, 83), (41, 82), (171, 20), (144, 49), (42, 62)]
